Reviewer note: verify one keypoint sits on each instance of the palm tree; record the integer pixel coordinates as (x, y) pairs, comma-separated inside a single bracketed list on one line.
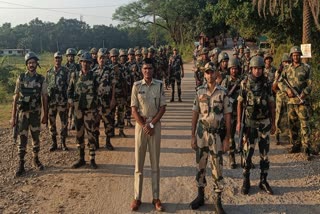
[(310, 10)]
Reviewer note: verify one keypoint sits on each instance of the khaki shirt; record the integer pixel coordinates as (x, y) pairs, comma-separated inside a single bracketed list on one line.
[(148, 98)]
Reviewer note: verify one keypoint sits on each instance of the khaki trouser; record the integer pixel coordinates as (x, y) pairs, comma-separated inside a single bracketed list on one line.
[(142, 141)]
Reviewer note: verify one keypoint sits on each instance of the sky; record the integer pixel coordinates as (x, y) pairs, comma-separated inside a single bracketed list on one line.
[(93, 12)]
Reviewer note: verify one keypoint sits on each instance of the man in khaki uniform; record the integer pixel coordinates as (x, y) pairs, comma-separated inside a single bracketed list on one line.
[(148, 106)]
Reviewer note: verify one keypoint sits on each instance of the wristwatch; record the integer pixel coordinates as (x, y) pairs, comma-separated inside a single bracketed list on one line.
[(151, 125)]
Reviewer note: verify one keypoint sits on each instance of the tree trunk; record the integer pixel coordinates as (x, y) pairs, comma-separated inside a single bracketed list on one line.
[(306, 28)]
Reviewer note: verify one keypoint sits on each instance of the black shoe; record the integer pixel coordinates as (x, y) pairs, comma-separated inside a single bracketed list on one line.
[(93, 164), (53, 148), (122, 134), (109, 146), (218, 204), (294, 149), (79, 163), (179, 100), (172, 100), (73, 127), (264, 185), (246, 185), (199, 200), (277, 139), (38, 164), (232, 161), (20, 171)]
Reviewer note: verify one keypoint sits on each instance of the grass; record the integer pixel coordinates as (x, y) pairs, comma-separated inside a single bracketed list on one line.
[(5, 115)]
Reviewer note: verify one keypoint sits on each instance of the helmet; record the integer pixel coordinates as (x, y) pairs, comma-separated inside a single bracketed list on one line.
[(241, 47), (93, 51), (29, 56), (285, 58), (138, 52), (223, 56), (209, 67), (151, 49), (114, 52), (57, 54), (80, 52), (256, 61), (260, 52), (295, 49), (160, 49), (102, 51), (204, 51), (247, 50), (235, 52), (144, 50), (122, 52), (216, 51), (86, 56), (268, 56), (130, 51), (175, 49), (71, 51), (233, 62)]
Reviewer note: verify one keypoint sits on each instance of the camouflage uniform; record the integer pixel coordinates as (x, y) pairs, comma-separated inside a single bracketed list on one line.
[(175, 75), (271, 71), (82, 93), (57, 81), (300, 79), (30, 88), (256, 96), (200, 64)]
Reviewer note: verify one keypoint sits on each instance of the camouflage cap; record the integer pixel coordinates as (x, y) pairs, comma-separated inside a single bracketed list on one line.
[(256, 61), (285, 57), (86, 56), (57, 54), (93, 51), (204, 51), (71, 51), (266, 56), (130, 51), (102, 52), (138, 52), (233, 62), (114, 52), (295, 49), (29, 56), (210, 67), (122, 52)]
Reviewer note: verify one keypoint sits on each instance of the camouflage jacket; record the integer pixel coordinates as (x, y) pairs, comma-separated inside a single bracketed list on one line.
[(175, 63), (119, 74), (228, 83), (30, 88), (211, 108), (135, 71), (199, 73), (256, 96), (83, 90), (299, 78), (105, 78), (270, 73), (57, 82)]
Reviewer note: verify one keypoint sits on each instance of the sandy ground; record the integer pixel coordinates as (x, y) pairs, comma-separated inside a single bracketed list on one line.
[(109, 189)]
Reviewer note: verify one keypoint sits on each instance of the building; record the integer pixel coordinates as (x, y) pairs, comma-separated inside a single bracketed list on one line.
[(13, 52)]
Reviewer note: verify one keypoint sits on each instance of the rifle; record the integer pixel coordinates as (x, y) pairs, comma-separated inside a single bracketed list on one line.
[(293, 90), (239, 139), (15, 131)]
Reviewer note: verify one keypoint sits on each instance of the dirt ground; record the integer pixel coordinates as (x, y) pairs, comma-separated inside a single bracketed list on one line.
[(109, 189)]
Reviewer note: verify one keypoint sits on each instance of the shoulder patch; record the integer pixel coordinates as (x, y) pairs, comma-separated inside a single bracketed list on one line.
[(157, 81), (137, 82)]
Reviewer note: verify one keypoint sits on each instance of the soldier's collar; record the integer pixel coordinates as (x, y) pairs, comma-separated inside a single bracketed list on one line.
[(143, 82)]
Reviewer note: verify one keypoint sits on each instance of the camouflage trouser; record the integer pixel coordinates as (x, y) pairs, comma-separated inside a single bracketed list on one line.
[(281, 119), (71, 117), (104, 113), (29, 121), (85, 120), (212, 148), (63, 114), (299, 121), (233, 132), (128, 108), (173, 79), (119, 109), (257, 131)]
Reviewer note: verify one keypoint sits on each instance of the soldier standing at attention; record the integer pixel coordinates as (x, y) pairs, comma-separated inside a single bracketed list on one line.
[(176, 72), (257, 100), (210, 107), (232, 84), (281, 100), (94, 53), (299, 77), (30, 90), (148, 106), (245, 61), (106, 99), (82, 93), (57, 81), (269, 69)]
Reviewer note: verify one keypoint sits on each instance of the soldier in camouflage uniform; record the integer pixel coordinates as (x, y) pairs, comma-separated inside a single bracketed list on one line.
[(121, 90), (211, 106), (232, 84), (245, 61), (163, 66), (269, 69), (176, 73), (138, 73), (73, 67), (57, 81), (94, 53), (201, 62), (257, 101), (214, 56), (82, 93), (155, 62), (299, 77), (241, 51), (30, 90), (106, 99), (144, 52), (223, 59)]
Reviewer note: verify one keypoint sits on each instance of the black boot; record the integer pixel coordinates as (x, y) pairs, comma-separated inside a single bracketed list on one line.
[(278, 139), (199, 200), (63, 144), (246, 183), (172, 99), (264, 185), (37, 163), (97, 143), (307, 154), (232, 160), (122, 134), (129, 124), (218, 204), (108, 144), (54, 145), (93, 164), (81, 161), (296, 148), (20, 171)]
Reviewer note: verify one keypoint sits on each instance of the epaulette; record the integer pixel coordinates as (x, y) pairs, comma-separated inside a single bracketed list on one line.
[(138, 82), (157, 81), (200, 87)]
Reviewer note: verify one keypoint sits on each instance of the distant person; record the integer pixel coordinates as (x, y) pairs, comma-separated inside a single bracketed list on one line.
[(148, 106), (176, 72)]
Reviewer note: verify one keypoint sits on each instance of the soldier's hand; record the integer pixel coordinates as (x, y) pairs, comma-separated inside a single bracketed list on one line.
[(290, 93), (238, 127), (273, 129), (182, 74), (275, 87), (226, 144), (194, 145), (12, 122)]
